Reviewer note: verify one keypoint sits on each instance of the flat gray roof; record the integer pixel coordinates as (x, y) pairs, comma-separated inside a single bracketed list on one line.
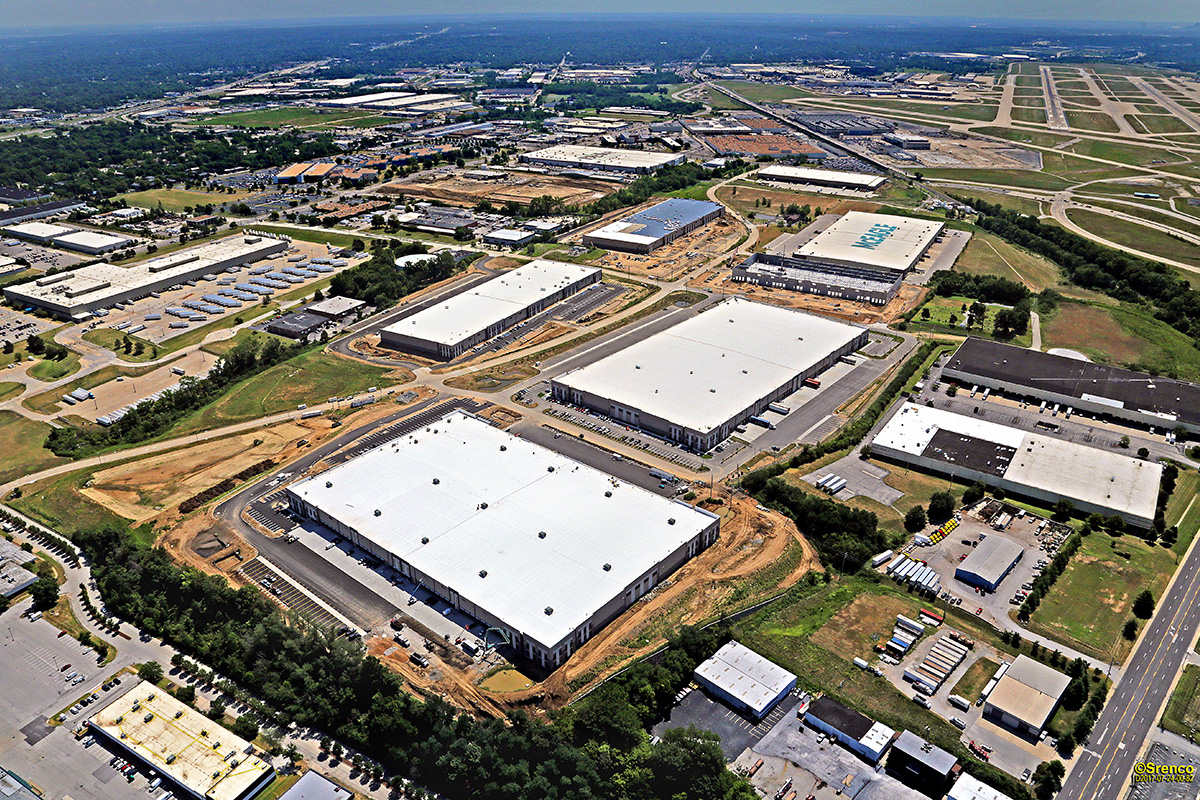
[(704, 371), (1029, 690), (312, 786), (992, 557), (604, 156), (462, 316), (744, 674), (856, 180), (481, 498)]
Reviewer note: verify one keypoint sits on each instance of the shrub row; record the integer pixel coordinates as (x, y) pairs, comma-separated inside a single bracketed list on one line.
[(197, 500), (1043, 582)]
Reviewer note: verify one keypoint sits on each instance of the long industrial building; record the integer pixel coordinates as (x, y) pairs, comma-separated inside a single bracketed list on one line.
[(832, 178), (857, 284), (695, 382), (651, 228), (450, 328), (175, 740), (1028, 464), (862, 735), (602, 159), (522, 538), (879, 241), (1097, 389), (75, 294)]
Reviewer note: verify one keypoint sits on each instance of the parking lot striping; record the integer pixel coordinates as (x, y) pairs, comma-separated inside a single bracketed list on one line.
[(306, 594)]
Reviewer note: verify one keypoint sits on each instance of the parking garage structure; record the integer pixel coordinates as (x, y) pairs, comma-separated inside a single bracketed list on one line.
[(1084, 386), (695, 382), (75, 294), (541, 549), (200, 757), (651, 228), (1026, 464), (451, 327)]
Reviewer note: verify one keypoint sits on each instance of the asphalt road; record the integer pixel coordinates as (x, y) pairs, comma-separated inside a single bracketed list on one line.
[(1103, 769)]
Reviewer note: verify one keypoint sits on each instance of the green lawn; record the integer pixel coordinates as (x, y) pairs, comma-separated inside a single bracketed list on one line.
[(1182, 715), (296, 117), (178, 199), (10, 389), (941, 309), (309, 378), (1183, 509), (47, 370), (1109, 573), (21, 442), (1122, 335), (975, 679), (109, 338), (1138, 237)]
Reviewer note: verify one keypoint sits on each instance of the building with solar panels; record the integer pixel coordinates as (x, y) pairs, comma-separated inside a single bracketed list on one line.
[(651, 228)]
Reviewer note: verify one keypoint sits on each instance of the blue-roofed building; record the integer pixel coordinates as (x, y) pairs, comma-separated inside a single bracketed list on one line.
[(651, 228)]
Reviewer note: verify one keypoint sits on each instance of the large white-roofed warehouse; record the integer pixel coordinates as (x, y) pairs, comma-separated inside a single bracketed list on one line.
[(74, 294), (197, 756), (1028, 464), (651, 228), (880, 241), (449, 328), (517, 536), (695, 382), (602, 159), (744, 679)]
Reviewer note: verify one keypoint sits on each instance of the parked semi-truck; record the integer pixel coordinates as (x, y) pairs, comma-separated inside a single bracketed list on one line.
[(779, 408)]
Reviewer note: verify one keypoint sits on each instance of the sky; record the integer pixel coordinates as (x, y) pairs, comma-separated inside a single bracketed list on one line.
[(66, 13)]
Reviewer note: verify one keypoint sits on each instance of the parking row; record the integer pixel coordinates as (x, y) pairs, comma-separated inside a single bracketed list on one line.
[(288, 594), (627, 437)]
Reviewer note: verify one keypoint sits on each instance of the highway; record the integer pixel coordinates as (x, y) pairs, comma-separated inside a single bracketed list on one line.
[(1103, 768)]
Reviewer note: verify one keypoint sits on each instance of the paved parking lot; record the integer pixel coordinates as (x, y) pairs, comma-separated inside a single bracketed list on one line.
[(737, 731), (272, 580), (16, 326), (38, 256), (1169, 749), (862, 478)]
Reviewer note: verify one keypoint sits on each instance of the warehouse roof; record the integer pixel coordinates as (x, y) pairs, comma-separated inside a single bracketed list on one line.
[(335, 306), (930, 755), (604, 156), (42, 209), (992, 558), (856, 180), (1029, 690), (90, 240), (181, 743), (460, 317), (970, 788), (745, 675), (312, 786), (706, 370), (1120, 388), (839, 717), (1104, 478), (538, 540), (37, 230), (884, 241), (651, 224)]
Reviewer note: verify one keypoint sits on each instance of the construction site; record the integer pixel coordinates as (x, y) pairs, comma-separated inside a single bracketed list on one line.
[(456, 189)]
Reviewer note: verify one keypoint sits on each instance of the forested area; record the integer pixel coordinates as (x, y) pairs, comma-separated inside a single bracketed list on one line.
[(105, 159), (1094, 266), (1007, 322), (595, 749), (380, 283)]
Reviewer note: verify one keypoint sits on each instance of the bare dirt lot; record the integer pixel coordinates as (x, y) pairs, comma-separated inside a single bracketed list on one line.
[(909, 296), (975, 154), (670, 261), (521, 188)]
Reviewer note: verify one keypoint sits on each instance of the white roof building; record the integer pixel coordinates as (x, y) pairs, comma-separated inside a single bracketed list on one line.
[(704, 376), (602, 158), (448, 328), (179, 742), (969, 788), (1026, 695), (37, 231), (822, 177), (516, 535), (880, 241), (1026, 463), (745, 679), (91, 242)]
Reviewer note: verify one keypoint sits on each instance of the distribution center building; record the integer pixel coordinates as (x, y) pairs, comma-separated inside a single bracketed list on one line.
[(450, 328), (1026, 695), (695, 382), (200, 757), (1029, 464), (881, 241), (837, 179), (524, 539), (74, 294), (1097, 389), (651, 228), (989, 562), (602, 159), (744, 679)]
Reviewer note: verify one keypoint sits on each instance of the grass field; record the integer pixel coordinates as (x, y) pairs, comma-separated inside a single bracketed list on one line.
[(1091, 121), (987, 254), (10, 389), (975, 678), (320, 237), (296, 117), (1183, 509), (1138, 237), (178, 199), (1182, 715), (57, 503), (21, 442), (1162, 123), (1122, 335), (1021, 178), (109, 338), (941, 309), (720, 102), (47, 370), (1036, 115), (764, 92), (980, 112), (1036, 138), (1110, 573), (308, 378)]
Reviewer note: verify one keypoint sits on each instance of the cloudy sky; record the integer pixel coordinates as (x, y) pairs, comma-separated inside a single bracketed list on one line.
[(58, 13)]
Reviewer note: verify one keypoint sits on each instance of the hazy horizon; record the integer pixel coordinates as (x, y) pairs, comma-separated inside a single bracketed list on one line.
[(48, 15)]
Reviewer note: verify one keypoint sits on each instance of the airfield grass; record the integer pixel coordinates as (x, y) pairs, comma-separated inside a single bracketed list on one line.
[(1033, 115), (1182, 715), (21, 441), (178, 199), (1138, 237), (1145, 210), (1091, 121), (720, 102), (764, 92), (308, 378), (295, 117), (1018, 178), (1110, 572), (1035, 138), (10, 389), (1122, 335), (976, 677), (1162, 123)]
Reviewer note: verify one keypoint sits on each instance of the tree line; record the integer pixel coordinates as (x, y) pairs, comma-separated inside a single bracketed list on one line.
[(380, 283), (596, 749)]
